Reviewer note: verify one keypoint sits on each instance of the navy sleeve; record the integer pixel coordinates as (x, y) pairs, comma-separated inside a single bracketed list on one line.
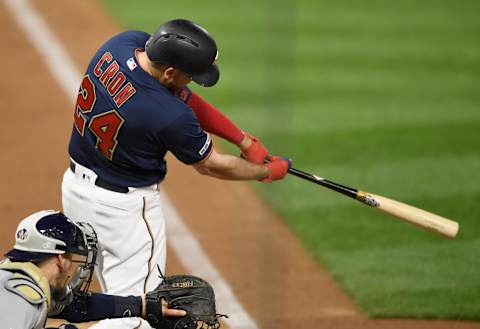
[(93, 307), (186, 139)]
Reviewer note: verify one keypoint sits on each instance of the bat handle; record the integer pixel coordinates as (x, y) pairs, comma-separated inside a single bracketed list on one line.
[(345, 190)]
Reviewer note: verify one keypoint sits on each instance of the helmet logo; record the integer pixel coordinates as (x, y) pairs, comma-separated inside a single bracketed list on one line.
[(47, 245), (22, 235)]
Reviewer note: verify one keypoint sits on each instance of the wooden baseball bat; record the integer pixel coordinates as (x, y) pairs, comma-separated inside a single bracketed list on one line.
[(422, 218)]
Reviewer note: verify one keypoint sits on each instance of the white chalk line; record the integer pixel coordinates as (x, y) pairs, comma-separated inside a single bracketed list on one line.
[(186, 247), (193, 258)]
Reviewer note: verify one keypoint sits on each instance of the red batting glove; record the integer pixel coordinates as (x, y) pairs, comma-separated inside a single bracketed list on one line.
[(256, 152), (277, 168)]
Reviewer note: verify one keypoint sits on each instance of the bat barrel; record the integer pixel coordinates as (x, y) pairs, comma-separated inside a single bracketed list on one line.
[(414, 215), (419, 217)]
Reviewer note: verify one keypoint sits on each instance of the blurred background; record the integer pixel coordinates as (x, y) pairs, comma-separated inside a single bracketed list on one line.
[(381, 95)]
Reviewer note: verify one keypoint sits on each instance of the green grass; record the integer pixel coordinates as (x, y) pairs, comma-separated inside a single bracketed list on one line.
[(381, 95)]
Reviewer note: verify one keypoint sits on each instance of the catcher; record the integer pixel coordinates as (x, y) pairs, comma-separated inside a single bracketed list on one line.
[(48, 274)]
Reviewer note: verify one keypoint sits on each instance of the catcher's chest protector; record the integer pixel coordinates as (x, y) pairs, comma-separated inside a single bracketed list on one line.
[(27, 303)]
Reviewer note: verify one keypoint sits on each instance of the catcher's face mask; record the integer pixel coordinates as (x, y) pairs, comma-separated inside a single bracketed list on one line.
[(83, 276), (85, 245)]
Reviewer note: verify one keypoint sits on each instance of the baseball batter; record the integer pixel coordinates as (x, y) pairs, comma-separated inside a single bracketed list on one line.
[(132, 108), (48, 272)]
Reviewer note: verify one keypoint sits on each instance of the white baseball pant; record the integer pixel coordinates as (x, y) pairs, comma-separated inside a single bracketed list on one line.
[(131, 234)]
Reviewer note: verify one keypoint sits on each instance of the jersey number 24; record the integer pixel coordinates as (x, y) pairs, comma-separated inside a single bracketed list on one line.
[(105, 126)]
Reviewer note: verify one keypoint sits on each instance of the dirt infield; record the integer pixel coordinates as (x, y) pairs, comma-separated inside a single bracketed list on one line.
[(277, 282)]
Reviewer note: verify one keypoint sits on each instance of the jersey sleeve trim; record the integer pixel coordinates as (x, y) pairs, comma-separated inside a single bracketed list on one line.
[(185, 138), (207, 155)]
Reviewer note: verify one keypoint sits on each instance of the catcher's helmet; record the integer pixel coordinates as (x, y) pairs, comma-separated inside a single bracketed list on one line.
[(46, 233), (188, 47)]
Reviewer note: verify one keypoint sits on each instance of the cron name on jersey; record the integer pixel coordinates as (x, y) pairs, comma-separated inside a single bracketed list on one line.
[(107, 70)]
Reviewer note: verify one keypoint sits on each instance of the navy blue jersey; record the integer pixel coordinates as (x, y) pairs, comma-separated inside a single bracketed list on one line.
[(126, 120)]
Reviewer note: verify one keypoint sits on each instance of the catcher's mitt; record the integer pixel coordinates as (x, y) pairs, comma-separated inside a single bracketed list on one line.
[(186, 292)]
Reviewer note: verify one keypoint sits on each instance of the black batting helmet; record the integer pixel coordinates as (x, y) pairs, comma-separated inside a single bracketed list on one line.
[(188, 47)]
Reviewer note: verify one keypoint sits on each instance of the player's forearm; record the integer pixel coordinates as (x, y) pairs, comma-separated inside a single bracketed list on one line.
[(214, 121), (94, 306), (228, 167), (245, 143)]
